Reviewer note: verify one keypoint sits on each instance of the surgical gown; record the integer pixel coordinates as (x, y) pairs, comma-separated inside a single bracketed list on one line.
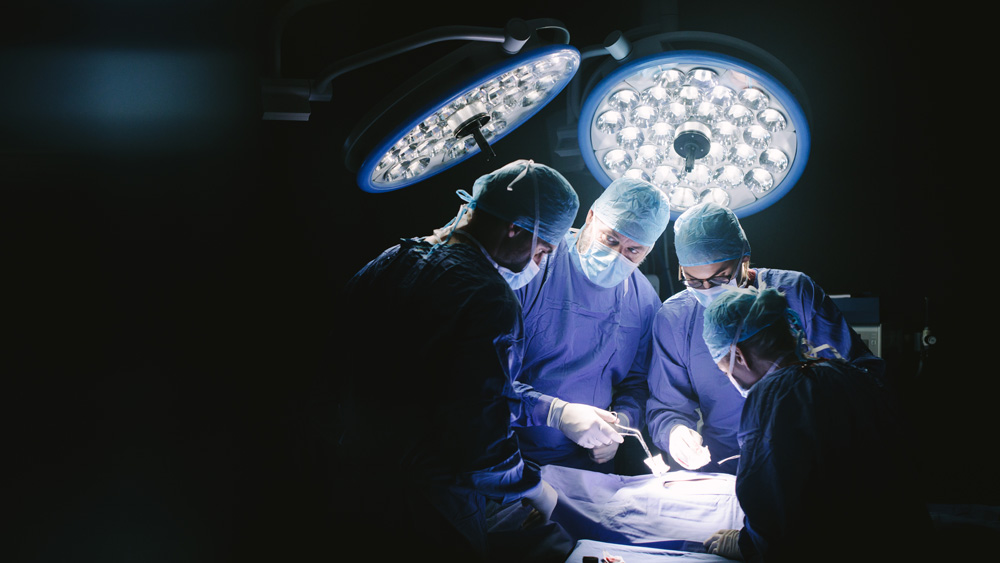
[(828, 471), (683, 379), (428, 400), (584, 344)]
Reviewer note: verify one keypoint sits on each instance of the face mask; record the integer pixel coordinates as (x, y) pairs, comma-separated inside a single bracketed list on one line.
[(602, 265), (732, 358), (739, 388), (706, 296), (517, 280)]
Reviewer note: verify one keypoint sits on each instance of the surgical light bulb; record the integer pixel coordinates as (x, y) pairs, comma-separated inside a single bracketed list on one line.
[(618, 160), (728, 176), (717, 196), (754, 98), (624, 100), (703, 78), (669, 78), (630, 138), (771, 119), (611, 121), (649, 156), (757, 137), (666, 177), (759, 180), (644, 116), (773, 160), (655, 96), (661, 134)]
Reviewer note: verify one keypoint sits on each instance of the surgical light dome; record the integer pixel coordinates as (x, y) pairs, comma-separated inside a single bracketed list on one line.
[(469, 118), (702, 126)]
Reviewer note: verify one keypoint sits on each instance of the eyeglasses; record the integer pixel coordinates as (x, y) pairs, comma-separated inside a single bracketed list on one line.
[(713, 281)]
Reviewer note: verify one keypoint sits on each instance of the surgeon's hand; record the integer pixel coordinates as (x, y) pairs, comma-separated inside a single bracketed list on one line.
[(543, 499), (586, 425), (603, 454), (686, 448), (725, 543)]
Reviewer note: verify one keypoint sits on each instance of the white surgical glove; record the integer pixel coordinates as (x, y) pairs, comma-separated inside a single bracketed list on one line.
[(604, 454), (586, 425), (725, 543), (686, 448), (543, 499)]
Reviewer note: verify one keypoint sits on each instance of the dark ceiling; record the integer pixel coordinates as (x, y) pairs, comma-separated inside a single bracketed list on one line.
[(173, 261)]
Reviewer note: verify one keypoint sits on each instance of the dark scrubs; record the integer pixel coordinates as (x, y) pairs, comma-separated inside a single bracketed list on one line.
[(827, 469), (428, 403)]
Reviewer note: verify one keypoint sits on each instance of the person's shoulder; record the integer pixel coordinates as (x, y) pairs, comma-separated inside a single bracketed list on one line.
[(644, 288), (678, 309), (680, 303), (778, 277)]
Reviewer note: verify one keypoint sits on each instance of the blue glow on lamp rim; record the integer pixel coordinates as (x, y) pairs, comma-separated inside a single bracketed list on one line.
[(373, 158), (695, 57)]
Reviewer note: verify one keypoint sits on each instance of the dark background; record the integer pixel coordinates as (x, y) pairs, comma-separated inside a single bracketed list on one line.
[(172, 261)]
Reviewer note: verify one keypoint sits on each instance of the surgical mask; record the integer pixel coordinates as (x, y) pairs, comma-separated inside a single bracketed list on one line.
[(732, 359), (739, 388), (517, 280), (706, 296), (603, 265)]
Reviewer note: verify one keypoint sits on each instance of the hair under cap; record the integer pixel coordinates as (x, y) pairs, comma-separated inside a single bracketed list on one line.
[(635, 208), (709, 233)]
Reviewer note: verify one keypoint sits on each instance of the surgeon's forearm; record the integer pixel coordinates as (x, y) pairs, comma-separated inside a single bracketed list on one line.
[(536, 404)]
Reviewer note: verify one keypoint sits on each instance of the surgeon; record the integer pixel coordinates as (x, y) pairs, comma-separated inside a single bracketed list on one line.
[(827, 469), (587, 321), (432, 323), (692, 413)]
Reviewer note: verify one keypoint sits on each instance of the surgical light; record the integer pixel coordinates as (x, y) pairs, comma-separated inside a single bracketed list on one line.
[(702, 125), (454, 108), (467, 118)]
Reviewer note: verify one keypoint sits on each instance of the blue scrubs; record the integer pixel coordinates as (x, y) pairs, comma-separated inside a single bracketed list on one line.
[(683, 377), (428, 401), (583, 344), (827, 469)]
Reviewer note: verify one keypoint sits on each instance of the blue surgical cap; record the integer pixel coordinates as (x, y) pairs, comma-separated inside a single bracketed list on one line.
[(709, 233), (515, 191), (745, 312), (634, 208)]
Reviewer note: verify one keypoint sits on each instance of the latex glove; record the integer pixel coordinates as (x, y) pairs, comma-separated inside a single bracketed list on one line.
[(725, 543), (543, 499), (604, 454), (586, 425), (686, 448)]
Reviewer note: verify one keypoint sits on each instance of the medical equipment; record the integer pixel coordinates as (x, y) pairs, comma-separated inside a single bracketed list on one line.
[(655, 463)]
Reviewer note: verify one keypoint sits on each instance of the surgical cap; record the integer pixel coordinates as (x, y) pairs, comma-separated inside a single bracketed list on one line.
[(509, 193), (709, 233), (744, 311), (634, 208)]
